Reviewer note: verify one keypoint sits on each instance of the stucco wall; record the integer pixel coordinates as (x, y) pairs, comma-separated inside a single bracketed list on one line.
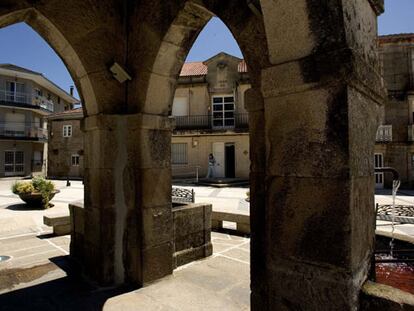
[(198, 153)]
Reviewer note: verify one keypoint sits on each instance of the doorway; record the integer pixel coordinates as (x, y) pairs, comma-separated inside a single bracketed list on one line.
[(13, 163), (219, 156), (230, 157)]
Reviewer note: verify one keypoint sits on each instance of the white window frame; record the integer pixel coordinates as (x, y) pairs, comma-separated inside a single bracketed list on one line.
[(179, 153), (67, 130), (75, 160), (223, 111)]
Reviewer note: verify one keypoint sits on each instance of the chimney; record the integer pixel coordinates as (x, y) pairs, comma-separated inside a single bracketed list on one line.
[(71, 90)]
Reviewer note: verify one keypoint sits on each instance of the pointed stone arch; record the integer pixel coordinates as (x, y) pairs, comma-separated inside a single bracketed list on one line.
[(61, 46)]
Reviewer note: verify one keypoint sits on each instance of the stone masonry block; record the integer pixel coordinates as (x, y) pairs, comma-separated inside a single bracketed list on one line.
[(157, 262), (308, 134)]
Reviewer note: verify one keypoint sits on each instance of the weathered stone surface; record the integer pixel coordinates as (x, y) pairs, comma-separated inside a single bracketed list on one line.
[(192, 233), (382, 297), (315, 66)]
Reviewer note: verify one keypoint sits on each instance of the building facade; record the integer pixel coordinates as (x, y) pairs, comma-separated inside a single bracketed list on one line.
[(65, 152), (209, 116), (394, 141), (26, 99)]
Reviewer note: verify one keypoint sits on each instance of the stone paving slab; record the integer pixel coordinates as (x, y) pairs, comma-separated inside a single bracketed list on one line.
[(220, 282)]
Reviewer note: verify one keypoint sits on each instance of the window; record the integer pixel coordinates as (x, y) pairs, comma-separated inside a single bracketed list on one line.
[(37, 158), (379, 163), (38, 92), (13, 163), (223, 111), (67, 130), (75, 160), (15, 92), (179, 153)]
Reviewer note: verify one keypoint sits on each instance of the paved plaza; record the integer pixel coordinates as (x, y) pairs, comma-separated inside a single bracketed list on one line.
[(40, 272)]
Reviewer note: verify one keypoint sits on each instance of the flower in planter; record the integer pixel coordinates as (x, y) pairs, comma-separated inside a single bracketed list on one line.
[(37, 186)]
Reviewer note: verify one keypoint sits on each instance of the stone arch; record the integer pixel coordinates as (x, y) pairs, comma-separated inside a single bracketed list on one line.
[(169, 45), (309, 64), (42, 25)]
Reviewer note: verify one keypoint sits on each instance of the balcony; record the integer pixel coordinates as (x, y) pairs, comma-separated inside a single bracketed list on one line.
[(25, 131), (25, 100), (384, 133), (238, 121)]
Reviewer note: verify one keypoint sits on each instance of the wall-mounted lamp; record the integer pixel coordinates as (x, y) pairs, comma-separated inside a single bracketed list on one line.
[(119, 73), (195, 143)]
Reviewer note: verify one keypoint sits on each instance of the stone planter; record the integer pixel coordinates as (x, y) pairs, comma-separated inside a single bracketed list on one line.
[(35, 199)]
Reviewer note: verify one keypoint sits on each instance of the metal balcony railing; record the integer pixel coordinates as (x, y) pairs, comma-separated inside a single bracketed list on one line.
[(23, 131), (206, 122), (26, 99), (384, 133)]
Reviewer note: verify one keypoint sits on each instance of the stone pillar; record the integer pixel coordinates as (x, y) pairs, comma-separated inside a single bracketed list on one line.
[(127, 216), (320, 118), (254, 105)]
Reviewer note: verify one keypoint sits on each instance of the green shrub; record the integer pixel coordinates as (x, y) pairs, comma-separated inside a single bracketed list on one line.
[(22, 187), (37, 185)]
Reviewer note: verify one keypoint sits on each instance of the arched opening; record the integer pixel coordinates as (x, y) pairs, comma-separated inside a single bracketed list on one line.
[(210, 118), (393, 149), (315, 84), (37, 65)]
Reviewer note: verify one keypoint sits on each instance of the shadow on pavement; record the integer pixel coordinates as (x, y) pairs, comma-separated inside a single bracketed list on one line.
[(23, 207), (66, 293)]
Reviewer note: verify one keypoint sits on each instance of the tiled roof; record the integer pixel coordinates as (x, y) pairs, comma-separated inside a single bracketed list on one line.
[(66, 113), (397, 38), (199, 69), (242, 66), (193, 69)]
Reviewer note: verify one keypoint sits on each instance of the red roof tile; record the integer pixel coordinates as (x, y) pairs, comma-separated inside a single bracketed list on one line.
[(397, 38), (66, 112), (199, 69), (193, 69)]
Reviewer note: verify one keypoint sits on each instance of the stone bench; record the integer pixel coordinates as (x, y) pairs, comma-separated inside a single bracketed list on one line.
[(242, 221), (60, 223)]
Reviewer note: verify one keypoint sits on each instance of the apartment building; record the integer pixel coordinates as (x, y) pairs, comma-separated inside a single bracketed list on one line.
[(394, 142), (26, 99)]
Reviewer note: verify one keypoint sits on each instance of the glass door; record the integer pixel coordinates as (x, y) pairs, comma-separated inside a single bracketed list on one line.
[(15, 92), (13, 163), (223, 112)]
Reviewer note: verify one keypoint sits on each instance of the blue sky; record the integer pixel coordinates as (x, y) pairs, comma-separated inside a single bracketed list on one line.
[(24, 47)]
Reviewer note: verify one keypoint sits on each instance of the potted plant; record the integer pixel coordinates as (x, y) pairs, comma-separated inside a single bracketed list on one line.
[(37, 192)]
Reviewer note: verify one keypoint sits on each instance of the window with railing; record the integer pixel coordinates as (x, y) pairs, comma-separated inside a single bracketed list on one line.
[(22, 130), (179, 153), (384, 133), (223, 111), (15, 94)]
